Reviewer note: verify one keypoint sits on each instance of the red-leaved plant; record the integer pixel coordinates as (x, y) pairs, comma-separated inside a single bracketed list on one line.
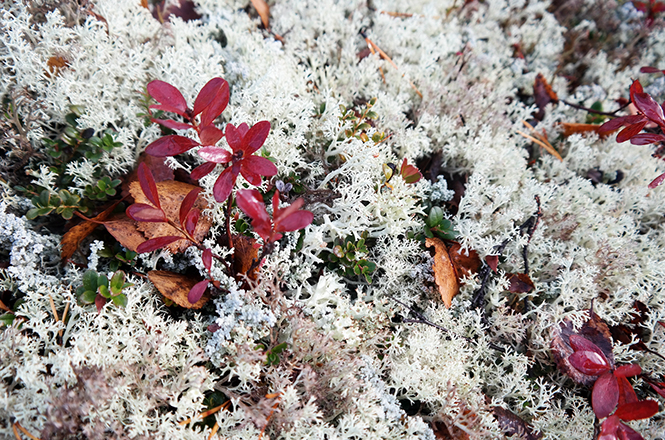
[(243, 141), (612, 392), (649, 113)]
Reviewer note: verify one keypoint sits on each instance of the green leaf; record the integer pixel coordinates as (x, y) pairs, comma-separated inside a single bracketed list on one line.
[(277, 349), (104, 291), (90, 280), (119, 300), (117, 282), (7, 319), (88, 297), (435, 216)]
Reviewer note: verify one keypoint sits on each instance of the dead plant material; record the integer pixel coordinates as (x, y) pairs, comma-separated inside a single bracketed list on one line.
[(385, 56), (444, 272), (540, 139), (263, 10), (72, 239), (176, 288)]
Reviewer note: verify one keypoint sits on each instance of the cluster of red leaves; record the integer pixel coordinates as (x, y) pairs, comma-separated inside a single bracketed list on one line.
[(586, 356), (649, 115), (243, 141), (650, 8)]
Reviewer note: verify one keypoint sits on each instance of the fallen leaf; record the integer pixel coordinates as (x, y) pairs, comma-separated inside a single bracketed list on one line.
[(571, 128), (55, 65), (444, 432), (625, 333), (466, 263), (519, 283), (171, 196), (4, 307), (512, 425), (444, 272), (176, 288), (543, 94), (264, 12), (595, 330), (492, 261), (144, 3), (244, 254), (123, 229), (73, 238)]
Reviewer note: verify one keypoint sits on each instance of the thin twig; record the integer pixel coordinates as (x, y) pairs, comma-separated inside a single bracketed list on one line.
[(371, 49), (55, 312), (423, 320), (387, 58), (25, 431), (540, 140), (597, 112), (207, 413), (64, 315)]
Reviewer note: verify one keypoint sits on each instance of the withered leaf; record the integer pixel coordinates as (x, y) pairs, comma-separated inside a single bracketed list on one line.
[(4, 307), (595, 330), (444, 432), (176, 288), (444, 272), (571, 128), (543, 94), (124, 230), (55, 65), (244, 254), (513, 425), (624, 333), (73, 238), (171, 196), (263, 10), (519, 283), (492, 261), (466, 263)]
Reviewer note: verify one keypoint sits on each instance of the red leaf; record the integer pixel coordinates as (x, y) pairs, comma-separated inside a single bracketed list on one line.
[(197, 291), (255, 137), (637, 410), (259, 165), (605, 395), (627, 433), (646, 138), (170, 97), (170, 123), (645, 103), (608, 430), (148, 185), (519, 283), (279, 213), (635, 87), (212, 100), (207, 259), (170, 146), (649, 69), (295, 221), (580, 343), (191, 221), (631, 131), (141, 212), (224, 184), (249, 174), (617, 123), (492, 261), (251, 203), (233, 137), (629, 370), (640, 6), (210, 135), (626, 391), (409, 173), (659, 388), (187, 204), (202, 170), (243, 129), (100, 301), (589, 362), (156, 243), (215, 154)]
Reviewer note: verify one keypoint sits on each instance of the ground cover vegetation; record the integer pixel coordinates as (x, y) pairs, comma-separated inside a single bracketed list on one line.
[(350, 219)]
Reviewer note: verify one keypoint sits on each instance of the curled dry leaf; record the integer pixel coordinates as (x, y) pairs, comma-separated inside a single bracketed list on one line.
[(596, 331), (519, 283), (171, 196), (263, 10), (73, 238), (492, 261), (543, 95), (176, 288), (513, 425), (466, 263), (444, 272), (571, 128), (244, 254), (123, 229)]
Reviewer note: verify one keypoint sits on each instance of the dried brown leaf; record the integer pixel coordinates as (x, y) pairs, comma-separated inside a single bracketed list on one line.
[(244, 254), (512, 425), (157, 166), (466, 263), (171, 195), (571, 128), (124, 230), (519, 283), (444, 272), (176, 288), (73, 238), (543, 94), (263, 10), (55, 65)]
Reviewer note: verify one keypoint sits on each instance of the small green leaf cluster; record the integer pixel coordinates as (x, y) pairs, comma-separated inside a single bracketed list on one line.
[(272, 355), (104, 188), (98, 288), (63, 203), (594, 118), (360, 122), (436, 224), (348, 258), (118, 256)]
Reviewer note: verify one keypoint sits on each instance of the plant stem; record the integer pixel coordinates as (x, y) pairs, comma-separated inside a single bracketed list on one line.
[(590, 110)]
